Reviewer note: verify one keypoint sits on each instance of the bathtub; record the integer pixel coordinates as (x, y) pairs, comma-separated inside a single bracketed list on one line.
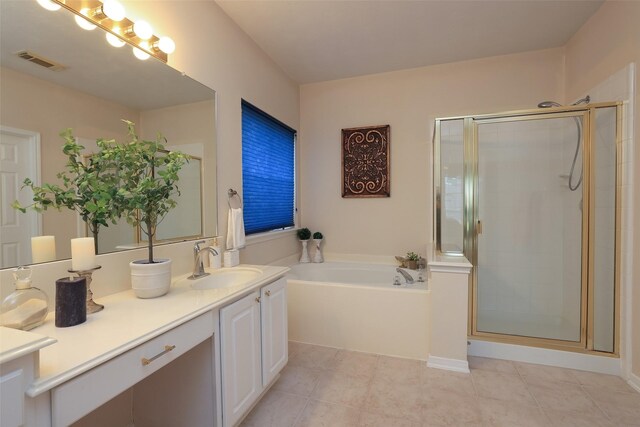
[(355, 306)]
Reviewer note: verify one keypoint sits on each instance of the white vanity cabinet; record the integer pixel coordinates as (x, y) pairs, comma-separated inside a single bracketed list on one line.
[(273, 300), (253, 334)]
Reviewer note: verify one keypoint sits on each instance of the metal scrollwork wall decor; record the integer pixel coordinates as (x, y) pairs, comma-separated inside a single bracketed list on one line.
[(365, 162)]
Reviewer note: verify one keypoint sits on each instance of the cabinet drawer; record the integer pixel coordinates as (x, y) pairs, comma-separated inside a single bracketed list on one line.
[(81, 395)]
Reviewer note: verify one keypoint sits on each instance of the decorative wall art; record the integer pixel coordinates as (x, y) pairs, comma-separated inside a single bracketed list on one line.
[(365, 162)]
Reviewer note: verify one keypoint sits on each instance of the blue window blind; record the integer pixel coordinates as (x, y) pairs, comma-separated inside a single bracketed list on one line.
[(268, 160)]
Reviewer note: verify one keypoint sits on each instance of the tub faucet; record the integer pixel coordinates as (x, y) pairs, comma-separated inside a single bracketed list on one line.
[(406, 275), (198, 265)]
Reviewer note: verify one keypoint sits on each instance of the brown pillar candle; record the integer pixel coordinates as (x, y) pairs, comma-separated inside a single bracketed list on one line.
[(71, 301)]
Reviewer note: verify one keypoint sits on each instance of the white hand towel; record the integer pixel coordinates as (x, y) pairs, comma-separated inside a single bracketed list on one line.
[(235, 229)]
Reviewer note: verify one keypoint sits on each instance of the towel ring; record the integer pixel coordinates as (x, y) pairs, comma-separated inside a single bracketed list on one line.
[(235, 202)]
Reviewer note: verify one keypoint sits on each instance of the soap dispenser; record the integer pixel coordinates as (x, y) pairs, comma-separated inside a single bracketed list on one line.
[(27, 306)]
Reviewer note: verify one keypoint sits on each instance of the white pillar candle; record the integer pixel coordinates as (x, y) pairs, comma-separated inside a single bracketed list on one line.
[(43, 249), (83, 254)]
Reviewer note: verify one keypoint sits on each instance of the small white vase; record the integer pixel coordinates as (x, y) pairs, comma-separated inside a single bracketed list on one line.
[(305, 252), (317, 257), (150, 280)]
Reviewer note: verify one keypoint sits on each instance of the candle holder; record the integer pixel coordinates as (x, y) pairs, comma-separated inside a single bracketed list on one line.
[(92, 306)]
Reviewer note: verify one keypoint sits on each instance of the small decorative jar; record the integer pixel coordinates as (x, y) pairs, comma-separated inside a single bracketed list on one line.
[(27, 306)]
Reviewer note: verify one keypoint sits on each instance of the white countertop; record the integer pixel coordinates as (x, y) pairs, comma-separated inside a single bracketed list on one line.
[(15, 343), (126, 322)]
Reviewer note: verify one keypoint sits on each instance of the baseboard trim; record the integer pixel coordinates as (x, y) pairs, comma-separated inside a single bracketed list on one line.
[(544, 356), (448, 364), (634, 381)]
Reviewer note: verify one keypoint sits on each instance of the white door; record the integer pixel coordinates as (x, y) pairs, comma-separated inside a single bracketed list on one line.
[(241, 359), (19, 159), (274, 329)]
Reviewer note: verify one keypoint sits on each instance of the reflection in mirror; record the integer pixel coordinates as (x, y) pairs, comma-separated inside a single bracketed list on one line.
[(96, 86)]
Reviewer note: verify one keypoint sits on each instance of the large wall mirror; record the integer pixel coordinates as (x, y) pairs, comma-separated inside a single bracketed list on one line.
[(93, 87)]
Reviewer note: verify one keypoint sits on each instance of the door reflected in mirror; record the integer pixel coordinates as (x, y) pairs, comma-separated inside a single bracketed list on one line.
[(97, 88)]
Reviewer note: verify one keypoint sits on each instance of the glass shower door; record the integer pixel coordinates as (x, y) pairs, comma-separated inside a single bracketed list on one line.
[(529, 216)]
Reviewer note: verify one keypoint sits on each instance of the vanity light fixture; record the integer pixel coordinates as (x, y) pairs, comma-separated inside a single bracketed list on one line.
[(110, 16), (114, 40), (84, 23), (49, 5), (139, 53)]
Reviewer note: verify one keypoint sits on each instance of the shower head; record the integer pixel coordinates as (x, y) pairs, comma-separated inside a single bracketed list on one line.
[(548, 104), (585, 100)]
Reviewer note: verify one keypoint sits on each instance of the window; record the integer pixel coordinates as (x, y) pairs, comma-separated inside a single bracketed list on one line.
[(268, 171)]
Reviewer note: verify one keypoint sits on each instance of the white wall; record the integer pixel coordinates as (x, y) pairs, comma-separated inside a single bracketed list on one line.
[(409, 101)]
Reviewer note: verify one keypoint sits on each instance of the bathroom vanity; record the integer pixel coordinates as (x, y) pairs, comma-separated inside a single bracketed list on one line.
[(222, 348)]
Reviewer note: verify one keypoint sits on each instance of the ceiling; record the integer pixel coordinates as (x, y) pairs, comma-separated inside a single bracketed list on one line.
[(318, 40)]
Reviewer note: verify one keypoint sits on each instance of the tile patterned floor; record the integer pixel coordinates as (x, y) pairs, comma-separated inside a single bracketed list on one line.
[(328, 387)]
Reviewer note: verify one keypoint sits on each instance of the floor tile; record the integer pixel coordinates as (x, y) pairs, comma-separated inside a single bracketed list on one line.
[(322, 414), (488, 364), (397, 370), (577, 419), (298, 380), (456, 382), (612, 382), (276, 409), (564, 397), (295, 347), (402, 400), (368, 419), (507, 414), (353, 363), (542, 372), (336, 387), (446, 408), (313, 357), (621, 408), (497, 385)]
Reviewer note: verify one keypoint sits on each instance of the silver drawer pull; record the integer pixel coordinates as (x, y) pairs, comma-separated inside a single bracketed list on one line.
[(167, 349), (268, 293)]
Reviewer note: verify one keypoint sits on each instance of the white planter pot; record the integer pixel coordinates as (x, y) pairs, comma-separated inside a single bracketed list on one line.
[(305, 252), (150, 280), (318, 255)]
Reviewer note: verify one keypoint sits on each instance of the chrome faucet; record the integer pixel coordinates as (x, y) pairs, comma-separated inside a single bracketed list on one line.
[(198, 265), (406, 275)]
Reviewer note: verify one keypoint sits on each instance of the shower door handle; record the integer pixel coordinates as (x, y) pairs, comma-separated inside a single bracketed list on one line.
[(479, 227)]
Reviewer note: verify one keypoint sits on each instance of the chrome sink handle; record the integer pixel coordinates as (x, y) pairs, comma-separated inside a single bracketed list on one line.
[(198, 265)]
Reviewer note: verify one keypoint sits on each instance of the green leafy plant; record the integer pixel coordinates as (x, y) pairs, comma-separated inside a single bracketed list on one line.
[(147, 175), (317, 235), (304, 234), (88, 188), (412, 256)]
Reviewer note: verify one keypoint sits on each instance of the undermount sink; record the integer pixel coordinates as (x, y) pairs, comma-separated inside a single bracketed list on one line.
[(224, 278)]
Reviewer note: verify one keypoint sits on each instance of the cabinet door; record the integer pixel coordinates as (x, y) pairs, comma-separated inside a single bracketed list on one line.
[(240, 354), (274, 329)]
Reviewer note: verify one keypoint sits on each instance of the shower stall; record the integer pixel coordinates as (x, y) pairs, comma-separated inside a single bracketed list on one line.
[(531, 199)]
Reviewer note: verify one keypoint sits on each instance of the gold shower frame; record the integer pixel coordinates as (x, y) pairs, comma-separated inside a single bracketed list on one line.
[(472, 225)]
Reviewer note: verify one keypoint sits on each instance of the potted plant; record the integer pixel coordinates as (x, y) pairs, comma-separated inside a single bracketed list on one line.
[(147, 175), (317, 238), (88, 188), (304, 234), (412, 260)]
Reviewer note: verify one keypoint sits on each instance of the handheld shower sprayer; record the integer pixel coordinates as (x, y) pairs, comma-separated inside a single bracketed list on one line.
[(585, 100)]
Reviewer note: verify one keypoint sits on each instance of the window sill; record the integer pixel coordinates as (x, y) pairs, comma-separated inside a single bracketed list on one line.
[(270, 235)]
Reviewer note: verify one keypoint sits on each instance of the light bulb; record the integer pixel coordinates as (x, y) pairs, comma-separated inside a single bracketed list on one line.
[(143, 30), (113, 10), (49, 5), (113, 40), (83, 23), (166, 45), (139, 53)]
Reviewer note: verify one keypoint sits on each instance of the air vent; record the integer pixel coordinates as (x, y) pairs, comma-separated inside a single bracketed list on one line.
[(37, 59)]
